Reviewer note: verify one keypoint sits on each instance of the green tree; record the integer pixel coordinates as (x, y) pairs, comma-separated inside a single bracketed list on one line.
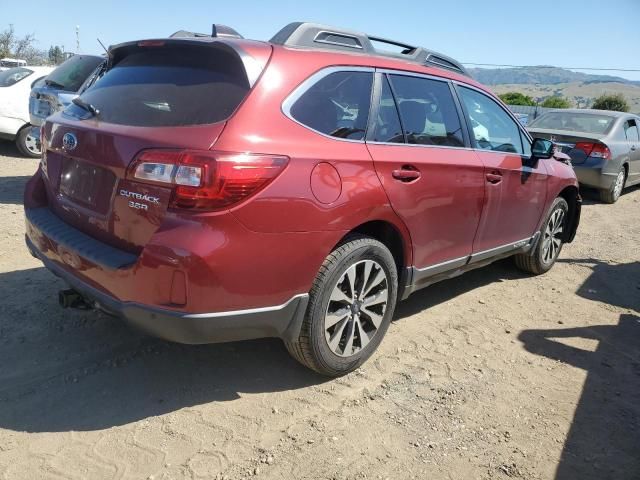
[(517, 98), (615, 102), (56, 55), (556, 102)]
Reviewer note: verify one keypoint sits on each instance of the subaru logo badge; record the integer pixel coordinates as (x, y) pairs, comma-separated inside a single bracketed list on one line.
[(69, 141)]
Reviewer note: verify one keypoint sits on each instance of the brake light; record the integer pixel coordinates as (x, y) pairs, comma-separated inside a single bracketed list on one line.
[(596, 150), (205, 180)]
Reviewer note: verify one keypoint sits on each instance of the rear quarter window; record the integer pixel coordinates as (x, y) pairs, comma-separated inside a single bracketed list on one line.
[(336, 105), (169, 86)]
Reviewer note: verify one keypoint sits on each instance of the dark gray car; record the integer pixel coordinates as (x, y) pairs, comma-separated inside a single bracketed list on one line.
[(604, 146)]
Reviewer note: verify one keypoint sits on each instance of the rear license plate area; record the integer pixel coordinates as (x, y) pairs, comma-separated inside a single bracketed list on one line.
[(86, 184)]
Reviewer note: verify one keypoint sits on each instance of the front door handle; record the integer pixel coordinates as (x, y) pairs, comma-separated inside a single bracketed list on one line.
[(633, 147), (406, 174), (494, 177)]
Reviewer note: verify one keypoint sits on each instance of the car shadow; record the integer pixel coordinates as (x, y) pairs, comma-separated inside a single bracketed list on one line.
[(66, 370), (12, 191), (441, 292), (604, 438), (9, 149), (591, 196)]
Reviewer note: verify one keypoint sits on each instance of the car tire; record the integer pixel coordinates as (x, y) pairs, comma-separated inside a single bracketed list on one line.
[(612, 194), (550, 241), (27, 145), (351, 304)]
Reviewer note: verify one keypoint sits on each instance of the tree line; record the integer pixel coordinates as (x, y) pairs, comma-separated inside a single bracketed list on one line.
[(616, 102), (24, 48)]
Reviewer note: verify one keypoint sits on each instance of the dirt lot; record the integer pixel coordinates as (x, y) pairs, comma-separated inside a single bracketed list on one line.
[(492, 375)]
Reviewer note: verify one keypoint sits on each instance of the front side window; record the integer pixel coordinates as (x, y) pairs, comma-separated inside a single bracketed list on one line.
[(13, 76), (336, 105), (493, 129), (427, 111), (631, 130)]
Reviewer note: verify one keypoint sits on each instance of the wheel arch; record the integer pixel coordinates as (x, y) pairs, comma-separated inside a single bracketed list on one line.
[(572, 196)]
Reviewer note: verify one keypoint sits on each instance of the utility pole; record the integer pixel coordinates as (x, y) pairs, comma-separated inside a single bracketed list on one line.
[(77, 38)]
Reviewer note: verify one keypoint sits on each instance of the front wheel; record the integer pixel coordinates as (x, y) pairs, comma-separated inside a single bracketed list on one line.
[(27, 144), (550, 242), (351, 304)]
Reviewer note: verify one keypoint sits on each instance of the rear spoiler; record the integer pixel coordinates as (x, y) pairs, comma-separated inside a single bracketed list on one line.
[(217, 31)]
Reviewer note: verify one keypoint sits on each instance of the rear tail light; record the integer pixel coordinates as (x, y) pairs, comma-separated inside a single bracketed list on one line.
[(206, 180), (596, 150)]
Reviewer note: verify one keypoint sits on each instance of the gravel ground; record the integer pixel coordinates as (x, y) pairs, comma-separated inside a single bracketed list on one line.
[(491, 375)]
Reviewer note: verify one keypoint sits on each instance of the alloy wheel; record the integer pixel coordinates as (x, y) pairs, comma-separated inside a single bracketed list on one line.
[(356, 308), (552, 239), (617, 187)]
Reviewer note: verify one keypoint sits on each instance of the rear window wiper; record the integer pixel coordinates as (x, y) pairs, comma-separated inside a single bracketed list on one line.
[(86, 106), (53, 83)]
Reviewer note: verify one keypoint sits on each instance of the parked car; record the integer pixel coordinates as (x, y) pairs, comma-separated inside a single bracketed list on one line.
[(15, 84), (219, 189), (604, 146), (60, 87), (523, 118), (7, 63)]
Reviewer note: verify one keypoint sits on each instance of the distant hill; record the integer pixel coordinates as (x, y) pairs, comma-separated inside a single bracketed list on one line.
[(542, 82), (540, 75)]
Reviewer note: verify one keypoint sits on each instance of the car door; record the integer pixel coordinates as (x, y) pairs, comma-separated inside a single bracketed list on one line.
[(632, 134), (434, 181), (515, 186)]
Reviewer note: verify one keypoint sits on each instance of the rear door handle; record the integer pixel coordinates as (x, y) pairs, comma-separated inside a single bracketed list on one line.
[(406, 174), (494, 177), (633, 147)]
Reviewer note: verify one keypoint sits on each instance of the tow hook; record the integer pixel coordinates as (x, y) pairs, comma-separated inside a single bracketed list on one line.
[(72, 299)]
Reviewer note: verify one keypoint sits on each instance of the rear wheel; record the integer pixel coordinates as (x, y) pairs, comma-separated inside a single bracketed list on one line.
[(27, 143), (550, 242), (612, 194), (351, 304)]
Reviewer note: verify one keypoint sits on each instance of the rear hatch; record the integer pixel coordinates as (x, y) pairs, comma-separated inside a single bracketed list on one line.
[(60, 86), (160, 94)]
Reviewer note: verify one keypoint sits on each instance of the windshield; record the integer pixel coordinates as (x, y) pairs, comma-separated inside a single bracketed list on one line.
[(169, 86), (574, 122), (13, 76), (72, 73)]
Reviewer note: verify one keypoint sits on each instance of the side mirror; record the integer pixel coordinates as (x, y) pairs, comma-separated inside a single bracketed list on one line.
[(542, 148)]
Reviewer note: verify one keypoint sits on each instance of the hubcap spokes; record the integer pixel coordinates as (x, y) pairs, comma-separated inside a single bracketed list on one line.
[(617, 189), (356, 308), (32, 144), (552, 240)]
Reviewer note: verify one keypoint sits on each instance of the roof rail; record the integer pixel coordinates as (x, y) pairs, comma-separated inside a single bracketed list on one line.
[(217, 30), (313, 35)]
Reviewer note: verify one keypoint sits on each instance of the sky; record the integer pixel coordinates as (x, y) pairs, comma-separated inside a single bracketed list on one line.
[(565, 33)]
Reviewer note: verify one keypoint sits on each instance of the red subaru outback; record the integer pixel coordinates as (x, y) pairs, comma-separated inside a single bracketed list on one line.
[(213, 188)]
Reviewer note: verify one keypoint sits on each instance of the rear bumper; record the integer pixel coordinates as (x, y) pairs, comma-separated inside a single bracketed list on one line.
[(592, 174), (73, 256)]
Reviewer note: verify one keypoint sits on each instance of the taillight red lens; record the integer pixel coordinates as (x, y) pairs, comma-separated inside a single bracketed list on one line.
[(206, 180), (597, 150)]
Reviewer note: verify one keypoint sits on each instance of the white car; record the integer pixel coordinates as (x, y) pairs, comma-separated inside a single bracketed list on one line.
[(15, 86)]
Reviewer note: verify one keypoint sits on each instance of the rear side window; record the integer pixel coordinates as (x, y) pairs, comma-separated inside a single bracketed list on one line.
[(72, 73), (336, 105), (493, 128), (13, 76), (169, 86), (427, 111), (631, 130)]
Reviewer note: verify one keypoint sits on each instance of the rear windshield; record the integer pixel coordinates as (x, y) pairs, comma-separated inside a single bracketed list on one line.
[(574, 122), (72, 73), (13, 76), (170, 86)]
